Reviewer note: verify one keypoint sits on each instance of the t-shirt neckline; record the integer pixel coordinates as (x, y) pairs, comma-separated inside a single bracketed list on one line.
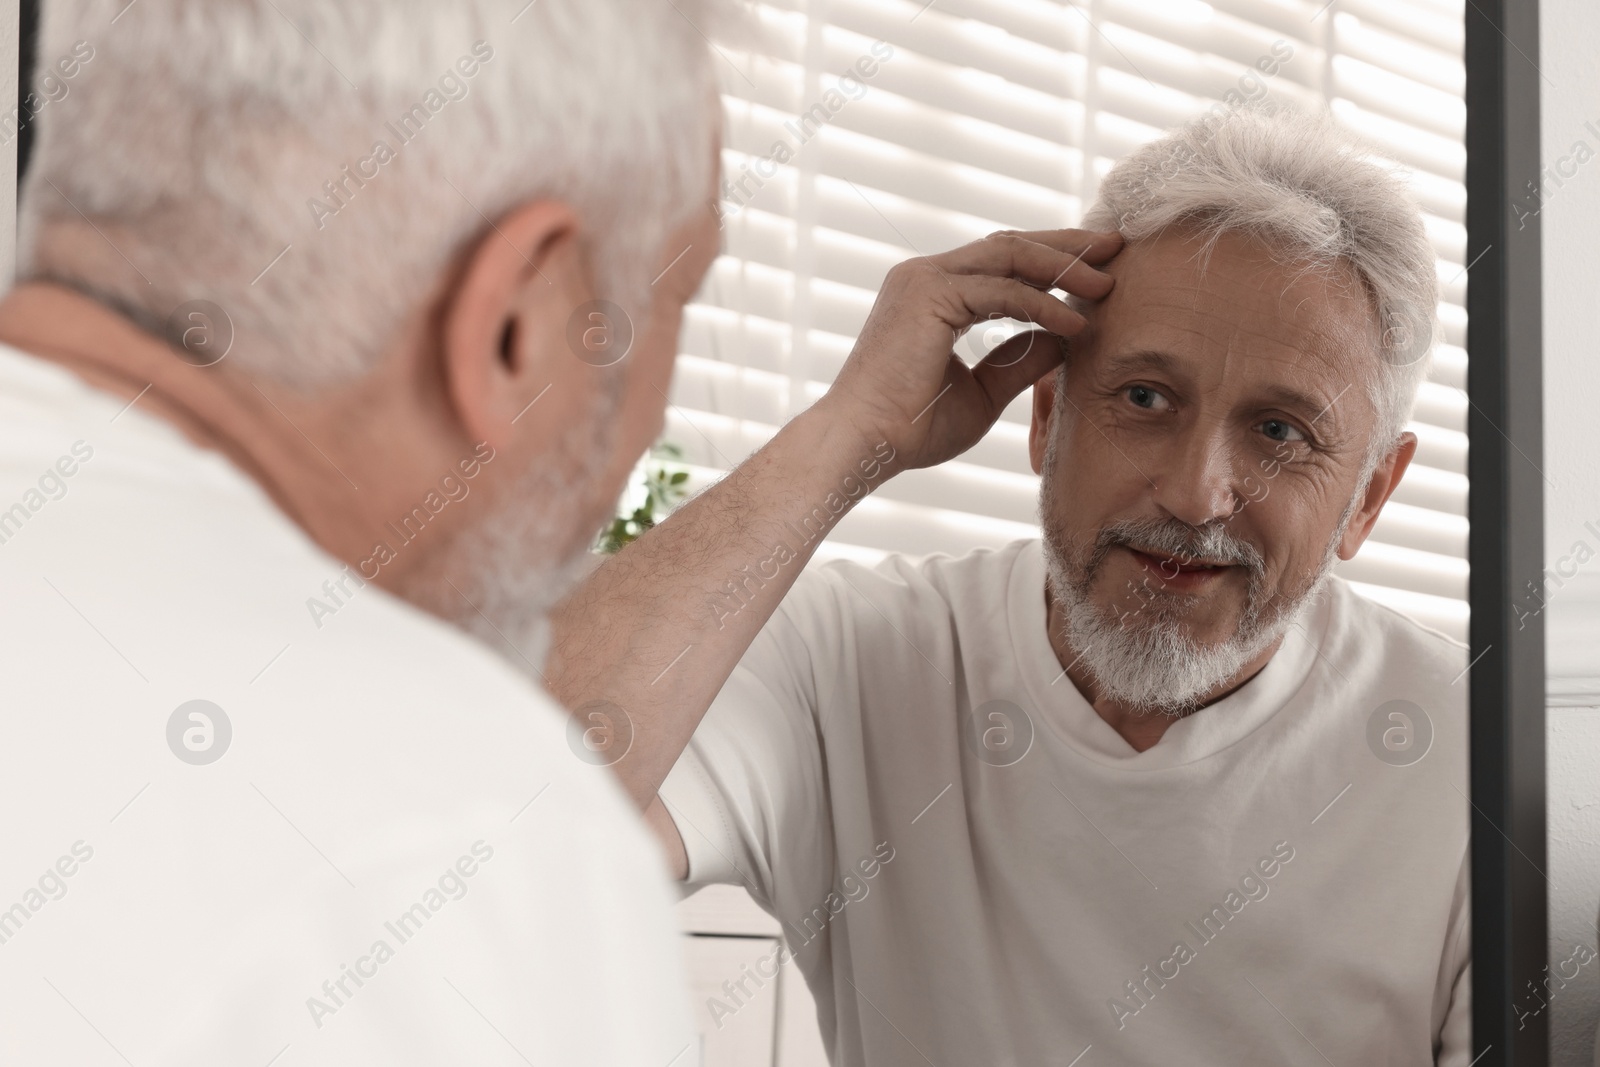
[(1068, 716)]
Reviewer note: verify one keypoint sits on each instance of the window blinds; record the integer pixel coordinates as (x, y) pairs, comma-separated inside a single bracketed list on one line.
[(862, 132)]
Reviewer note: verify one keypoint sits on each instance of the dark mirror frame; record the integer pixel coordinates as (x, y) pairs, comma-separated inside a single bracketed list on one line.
[(1505, 511), (1506, 542), (27, 40)]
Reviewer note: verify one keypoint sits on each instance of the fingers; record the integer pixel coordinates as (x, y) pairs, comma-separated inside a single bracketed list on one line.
[(1096, 246), (988, 298), (1015, 365), (1062, 261)]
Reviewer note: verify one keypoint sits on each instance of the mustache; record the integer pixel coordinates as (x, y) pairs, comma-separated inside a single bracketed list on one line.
[(1177, 541)]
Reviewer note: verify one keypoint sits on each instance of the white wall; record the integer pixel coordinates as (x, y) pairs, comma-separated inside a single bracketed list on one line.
[(1571, 221), (1574, 870)]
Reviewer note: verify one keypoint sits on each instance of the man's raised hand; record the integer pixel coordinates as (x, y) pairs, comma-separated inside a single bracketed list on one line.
[(903, 383)]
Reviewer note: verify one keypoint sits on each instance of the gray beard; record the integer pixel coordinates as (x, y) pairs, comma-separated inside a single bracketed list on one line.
[(1147, 660), (499, 580)]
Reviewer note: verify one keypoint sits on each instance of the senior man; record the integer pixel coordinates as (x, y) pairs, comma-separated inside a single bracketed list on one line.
[(339, 329), (1156, 788)]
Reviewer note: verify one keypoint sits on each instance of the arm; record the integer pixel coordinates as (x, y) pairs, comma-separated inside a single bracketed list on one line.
[(658, 628)]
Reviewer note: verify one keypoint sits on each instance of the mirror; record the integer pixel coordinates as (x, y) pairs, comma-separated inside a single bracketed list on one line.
[(869, 133)]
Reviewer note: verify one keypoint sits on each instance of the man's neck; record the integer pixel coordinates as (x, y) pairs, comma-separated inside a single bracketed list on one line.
[(65, 327), (1140, 726), (310, 464)]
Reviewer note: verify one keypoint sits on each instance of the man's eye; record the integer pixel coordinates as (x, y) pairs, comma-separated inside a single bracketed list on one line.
[(1278, 430), (1145, 397)]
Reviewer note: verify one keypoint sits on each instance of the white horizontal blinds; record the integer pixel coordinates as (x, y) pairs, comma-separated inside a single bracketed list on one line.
[(1394, 75), (1004, 114)]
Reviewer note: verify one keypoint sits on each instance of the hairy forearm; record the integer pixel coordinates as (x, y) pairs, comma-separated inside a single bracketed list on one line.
[(657, 629)]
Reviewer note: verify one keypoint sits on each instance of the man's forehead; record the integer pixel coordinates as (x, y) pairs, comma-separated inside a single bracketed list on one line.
[(1240, 301)]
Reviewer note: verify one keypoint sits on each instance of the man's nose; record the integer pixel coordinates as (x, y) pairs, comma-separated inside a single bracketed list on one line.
[(1197, 482)]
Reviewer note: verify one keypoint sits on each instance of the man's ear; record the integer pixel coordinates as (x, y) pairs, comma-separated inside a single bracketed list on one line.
[(1040, 429), (505, 320), (1385, 479)]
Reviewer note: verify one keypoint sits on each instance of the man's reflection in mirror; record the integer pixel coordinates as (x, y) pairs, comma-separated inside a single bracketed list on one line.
[(1157, 783)]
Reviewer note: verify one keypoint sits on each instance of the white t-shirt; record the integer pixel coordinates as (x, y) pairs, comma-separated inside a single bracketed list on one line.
[(397, 859), (973, 867)]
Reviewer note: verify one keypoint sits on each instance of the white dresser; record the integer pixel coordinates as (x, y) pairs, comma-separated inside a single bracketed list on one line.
[(750, 1010)]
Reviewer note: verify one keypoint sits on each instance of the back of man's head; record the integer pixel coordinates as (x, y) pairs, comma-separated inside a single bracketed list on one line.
[(311, 168), (411, 218)]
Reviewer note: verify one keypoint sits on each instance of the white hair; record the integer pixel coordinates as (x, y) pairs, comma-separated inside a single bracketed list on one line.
[(1319, 199), (202, 134)]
